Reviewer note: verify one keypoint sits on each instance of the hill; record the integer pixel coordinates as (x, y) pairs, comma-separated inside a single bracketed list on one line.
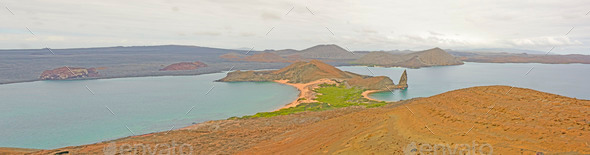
[(323, 52), (232, 56), (306, 72), (326, 52), (427, 58), (478, 120), (184, 66), (265, 57)]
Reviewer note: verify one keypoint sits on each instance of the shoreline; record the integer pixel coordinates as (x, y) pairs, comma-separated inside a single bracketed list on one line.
[(114, 77), (306, 93), (368, 92)]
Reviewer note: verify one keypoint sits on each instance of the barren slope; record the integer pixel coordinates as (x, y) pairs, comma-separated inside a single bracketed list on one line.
[(524, 121)]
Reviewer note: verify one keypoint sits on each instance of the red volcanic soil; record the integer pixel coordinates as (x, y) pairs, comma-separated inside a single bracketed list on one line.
[(68, 73), (184, 66)]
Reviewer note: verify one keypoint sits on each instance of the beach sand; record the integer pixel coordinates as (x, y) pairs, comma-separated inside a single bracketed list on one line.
[(366, 94), (306, 93)]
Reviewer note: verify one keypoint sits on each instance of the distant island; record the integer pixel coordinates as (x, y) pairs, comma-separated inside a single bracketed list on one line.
[(427, 58), (139, 61), (184, 66), (65, 72), (526, 58), (307, 76)]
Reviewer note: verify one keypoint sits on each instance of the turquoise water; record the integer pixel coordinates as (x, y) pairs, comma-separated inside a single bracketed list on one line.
[(52, 114), (564, 79)]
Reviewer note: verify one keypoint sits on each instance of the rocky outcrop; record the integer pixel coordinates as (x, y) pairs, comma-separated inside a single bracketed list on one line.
[(372, 83), (403, 81), (427, 58), (305, 72), (184, 66), (65, 72)]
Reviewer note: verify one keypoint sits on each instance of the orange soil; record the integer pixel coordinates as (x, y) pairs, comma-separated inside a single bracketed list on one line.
[(10, 151), (523, 121)]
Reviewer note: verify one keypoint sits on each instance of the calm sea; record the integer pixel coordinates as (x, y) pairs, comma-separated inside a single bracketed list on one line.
[(52, 114), (563, 79)]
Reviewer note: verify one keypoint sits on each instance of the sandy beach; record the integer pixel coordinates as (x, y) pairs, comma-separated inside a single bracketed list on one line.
[(366, 94), (306, 93)]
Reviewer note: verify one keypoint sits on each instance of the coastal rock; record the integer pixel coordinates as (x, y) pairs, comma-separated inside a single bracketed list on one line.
[(184, 66), (403, 81), (63, 73), (372, 83)]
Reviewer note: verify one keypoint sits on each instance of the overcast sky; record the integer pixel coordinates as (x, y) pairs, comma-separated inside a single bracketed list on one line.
[(357, 25)]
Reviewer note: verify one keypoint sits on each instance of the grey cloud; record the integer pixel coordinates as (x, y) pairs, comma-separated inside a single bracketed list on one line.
[(270, 16), (361, 25)]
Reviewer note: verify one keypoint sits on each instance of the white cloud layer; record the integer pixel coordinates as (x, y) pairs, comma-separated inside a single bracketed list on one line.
[(358, 25)]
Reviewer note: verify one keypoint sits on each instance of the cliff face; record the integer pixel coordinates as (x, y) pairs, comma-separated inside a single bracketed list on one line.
[(427, 58), (305, 72), (63, 73), (184, 66)]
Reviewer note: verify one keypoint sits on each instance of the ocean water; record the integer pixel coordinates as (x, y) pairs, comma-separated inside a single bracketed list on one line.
[(563, 79), (52, 114)]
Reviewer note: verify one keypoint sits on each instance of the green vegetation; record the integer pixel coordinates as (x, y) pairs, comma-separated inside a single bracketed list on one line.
[(329, 97)]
